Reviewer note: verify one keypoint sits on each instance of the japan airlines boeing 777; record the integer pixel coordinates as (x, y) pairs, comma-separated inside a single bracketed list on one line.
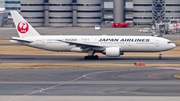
[(111, 46)]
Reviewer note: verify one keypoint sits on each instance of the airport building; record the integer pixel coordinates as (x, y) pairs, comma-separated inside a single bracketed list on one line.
[(148, 11), (62, 12), (92, 12), (2, 3), (12, 5), (3, 18)]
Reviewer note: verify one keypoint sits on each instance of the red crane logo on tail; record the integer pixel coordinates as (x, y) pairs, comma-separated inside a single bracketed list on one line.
[(23, 27)]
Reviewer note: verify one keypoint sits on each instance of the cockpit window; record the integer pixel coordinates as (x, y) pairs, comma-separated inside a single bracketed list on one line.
[(169, 42)]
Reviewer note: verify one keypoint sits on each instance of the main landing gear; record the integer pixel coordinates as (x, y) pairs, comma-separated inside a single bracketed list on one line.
[(160, 55), (94, 57), (91, 55)]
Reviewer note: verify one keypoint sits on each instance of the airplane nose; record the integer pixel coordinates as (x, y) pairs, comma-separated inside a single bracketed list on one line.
[(174, 45), (171, 46)]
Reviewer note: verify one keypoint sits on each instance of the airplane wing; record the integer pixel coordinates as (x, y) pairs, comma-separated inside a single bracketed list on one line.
[(83, 45), (21, 39)]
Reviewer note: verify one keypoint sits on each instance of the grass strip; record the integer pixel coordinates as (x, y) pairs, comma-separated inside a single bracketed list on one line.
[(177, 76), (64, 65)]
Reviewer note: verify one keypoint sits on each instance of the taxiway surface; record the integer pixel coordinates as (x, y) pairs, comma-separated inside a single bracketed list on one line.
[(80, 59), (45, 84)]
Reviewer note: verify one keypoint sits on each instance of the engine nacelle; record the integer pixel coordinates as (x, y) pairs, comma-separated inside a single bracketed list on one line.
[(113, 51)]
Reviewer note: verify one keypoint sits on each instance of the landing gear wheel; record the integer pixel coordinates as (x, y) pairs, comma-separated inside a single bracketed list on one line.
[(160, 58), (86, 57), (91, 57), (160, 55), (96, 57)]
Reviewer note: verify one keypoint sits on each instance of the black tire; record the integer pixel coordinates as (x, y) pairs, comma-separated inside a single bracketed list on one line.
[(96, 57), (85, 57), (160, 58), (91, 57)]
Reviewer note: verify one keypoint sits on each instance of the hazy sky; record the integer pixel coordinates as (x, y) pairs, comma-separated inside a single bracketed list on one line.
[(110, 4)]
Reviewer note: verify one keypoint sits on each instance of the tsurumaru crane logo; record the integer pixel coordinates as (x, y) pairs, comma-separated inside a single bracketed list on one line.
[(23, 27)]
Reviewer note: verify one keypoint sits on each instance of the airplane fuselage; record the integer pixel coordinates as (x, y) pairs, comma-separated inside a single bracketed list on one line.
[(126, 43)]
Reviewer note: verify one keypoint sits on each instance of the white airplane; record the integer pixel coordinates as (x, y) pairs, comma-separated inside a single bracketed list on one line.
[(111, 46)]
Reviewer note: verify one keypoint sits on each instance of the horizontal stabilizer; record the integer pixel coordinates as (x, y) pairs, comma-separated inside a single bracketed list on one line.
[(21, 39)]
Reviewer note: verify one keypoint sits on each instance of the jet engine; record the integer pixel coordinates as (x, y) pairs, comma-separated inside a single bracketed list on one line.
[(113, 52)]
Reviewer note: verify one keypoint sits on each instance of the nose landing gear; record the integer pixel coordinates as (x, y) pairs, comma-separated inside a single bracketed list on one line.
[(160, 55)]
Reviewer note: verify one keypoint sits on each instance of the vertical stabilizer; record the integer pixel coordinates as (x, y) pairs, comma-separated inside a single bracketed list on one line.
[(23, 28)]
